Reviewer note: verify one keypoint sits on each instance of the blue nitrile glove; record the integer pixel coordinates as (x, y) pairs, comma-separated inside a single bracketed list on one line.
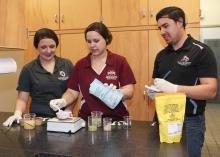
[(110, 96)]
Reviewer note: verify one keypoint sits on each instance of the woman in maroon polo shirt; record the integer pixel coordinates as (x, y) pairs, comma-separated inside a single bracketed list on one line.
[(103, 65)]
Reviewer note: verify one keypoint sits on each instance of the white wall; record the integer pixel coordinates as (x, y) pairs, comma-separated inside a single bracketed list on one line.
[(210, 12), (210, 21), (8, 82)]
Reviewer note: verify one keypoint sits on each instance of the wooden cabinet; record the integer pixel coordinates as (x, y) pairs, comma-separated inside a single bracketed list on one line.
[(76, 14), (191, 8), (134, 46), (124, 13), (12, 24), (42, 13), (62, 14), (117, 13), (73, 47)]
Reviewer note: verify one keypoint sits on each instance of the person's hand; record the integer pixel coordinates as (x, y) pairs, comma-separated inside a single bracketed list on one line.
[(150, 91), (64, 114), (112, 86), (14, 118), (165, 86), (151, 94), (57, 104)]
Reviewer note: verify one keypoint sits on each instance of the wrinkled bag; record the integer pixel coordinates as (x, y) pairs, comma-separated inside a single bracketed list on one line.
[(170, 108)]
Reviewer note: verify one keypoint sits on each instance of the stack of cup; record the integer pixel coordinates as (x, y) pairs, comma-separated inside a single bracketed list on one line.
[(97, 115)]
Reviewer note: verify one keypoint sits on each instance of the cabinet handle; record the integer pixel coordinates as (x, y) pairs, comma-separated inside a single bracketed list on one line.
[(143, 13), (101, 19), (62, 19), (151, 13), (56, 20)]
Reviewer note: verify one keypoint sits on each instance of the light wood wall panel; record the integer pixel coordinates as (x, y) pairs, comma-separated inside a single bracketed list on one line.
[(12, 24), (133, 45), (120, 13), (8, 82), (190, 7), (42, 13), (75, 14)]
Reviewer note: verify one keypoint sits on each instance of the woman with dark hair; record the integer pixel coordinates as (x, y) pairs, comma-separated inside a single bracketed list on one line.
[(92, 75), (42, 79)]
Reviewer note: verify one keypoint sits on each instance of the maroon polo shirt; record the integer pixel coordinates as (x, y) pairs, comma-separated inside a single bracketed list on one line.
[(117, 71)]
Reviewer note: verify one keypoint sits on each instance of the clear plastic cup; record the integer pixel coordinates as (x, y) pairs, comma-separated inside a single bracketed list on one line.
[(38, 121), (107, 124), (21, 122), (29, 120), (127, 121), (97, 115), (92, 124)]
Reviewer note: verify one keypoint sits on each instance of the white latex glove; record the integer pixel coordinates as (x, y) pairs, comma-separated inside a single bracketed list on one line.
[(151, 94), (165, 86), (57, 104), (63, 114), (16, 117), (150, 91)]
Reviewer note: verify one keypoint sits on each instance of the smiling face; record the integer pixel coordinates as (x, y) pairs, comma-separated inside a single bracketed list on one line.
[(96, 43), (170, 30), (46, 49)]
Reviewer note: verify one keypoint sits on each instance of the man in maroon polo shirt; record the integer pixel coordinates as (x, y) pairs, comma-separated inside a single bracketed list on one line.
[(103, 65)]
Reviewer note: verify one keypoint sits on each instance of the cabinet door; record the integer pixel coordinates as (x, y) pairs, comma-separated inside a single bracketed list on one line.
[(79, 13), (191, 9), (156, 43), (134, 45), (42, 13), (73, 47), (12, 24), (124, 13)]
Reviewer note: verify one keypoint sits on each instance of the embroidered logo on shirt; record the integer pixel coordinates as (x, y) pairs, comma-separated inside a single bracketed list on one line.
[(111, 75), (62, 76), (184, 61)]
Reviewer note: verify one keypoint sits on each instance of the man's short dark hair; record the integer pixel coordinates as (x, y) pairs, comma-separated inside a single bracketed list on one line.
[(174, 13), (45, 33), (100, 28)]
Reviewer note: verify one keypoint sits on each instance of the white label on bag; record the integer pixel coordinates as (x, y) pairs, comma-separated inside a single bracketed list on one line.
[(174, 128)]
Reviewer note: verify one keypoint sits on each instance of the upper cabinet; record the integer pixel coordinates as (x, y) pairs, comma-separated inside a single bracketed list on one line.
[(76, 14), (62, 14), (190, 8), (115, 12), (12, 24), (42, 13)]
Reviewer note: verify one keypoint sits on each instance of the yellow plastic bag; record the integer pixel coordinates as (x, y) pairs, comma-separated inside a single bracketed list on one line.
[(170, 108)]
